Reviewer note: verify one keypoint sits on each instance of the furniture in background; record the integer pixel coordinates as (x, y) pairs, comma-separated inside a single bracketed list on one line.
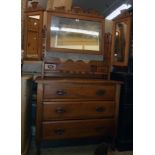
[(122, 70), (26, 81), (33, 108), (124, 140)]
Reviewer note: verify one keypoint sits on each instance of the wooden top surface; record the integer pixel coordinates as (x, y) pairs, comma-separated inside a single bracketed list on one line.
[(74, 80)]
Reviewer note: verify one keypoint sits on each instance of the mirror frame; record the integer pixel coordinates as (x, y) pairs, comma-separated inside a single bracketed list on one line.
[(126, 17), (81, 16)]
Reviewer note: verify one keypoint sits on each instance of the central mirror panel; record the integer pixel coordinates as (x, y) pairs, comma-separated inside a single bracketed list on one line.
[(75, 34)]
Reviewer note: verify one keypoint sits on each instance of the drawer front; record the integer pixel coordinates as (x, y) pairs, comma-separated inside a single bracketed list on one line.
[(77, 129), (77, 110), (79, 91)]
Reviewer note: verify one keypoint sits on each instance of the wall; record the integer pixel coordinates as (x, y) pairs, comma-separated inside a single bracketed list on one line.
[(108, 26)]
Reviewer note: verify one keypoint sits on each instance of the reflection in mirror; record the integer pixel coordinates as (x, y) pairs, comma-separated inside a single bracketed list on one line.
[(120, 41), (35, 17), (33, 35), (75, 34), (33, 22)]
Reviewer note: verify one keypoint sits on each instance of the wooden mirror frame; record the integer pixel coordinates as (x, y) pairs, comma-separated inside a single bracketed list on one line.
[(75, 15), (124, 17)]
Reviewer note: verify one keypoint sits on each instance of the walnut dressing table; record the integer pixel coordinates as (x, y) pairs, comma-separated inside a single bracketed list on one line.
[(69, 107), (74, 108), (76, 99)]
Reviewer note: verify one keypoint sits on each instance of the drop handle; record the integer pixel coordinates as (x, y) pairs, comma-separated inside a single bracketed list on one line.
[(99, 129), (100, 109), (60, 110), (59, 131), (28, 44), (100, 92), (61, 92)]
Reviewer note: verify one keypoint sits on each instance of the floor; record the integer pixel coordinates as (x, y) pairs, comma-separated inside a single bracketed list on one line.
[(74, 150)]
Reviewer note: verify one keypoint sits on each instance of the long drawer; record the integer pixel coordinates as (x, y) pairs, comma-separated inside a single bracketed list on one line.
[(79, 91), (77, 110), (77, 128)]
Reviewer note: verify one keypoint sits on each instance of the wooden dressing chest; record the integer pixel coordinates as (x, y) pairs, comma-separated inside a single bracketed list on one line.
[(75, 98), (75, 108)]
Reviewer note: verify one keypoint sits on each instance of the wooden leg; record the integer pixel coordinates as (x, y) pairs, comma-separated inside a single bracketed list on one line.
[(113, 144), (38, 150)]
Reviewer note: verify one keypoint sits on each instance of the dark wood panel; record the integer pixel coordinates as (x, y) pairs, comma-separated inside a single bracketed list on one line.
[(77, 110), (70, 68), (76, 129), (79, 90)]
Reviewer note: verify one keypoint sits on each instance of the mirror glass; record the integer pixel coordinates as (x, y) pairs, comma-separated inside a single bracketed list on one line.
[(120, 41), (69, 33), (33, 35)]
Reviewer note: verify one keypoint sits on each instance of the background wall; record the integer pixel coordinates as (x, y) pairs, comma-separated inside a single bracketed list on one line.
[(108, 26)]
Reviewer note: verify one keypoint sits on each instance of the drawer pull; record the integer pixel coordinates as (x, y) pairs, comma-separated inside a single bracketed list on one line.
[(60, 110), (99, 129), (100, 109), (100, 92), (61, 92), (59, 131)]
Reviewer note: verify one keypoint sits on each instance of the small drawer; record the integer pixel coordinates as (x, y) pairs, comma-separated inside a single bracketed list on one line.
[(77, 129), (79, 91), (77, 110)]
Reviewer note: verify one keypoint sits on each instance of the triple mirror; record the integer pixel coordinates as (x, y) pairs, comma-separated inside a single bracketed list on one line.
[(73, 33), (121, 41)]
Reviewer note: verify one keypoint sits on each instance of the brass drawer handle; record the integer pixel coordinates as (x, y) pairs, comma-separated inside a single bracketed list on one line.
[(60, 110), (100, 92), (100, 109), (59, 131), (101, 128), (61, 92)]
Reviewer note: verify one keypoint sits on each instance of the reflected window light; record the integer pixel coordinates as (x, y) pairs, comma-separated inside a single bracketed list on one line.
[(35, 17), (118, 11), (55, 28), (94, 33), (35, 23), (117, 33), (77, 20)]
